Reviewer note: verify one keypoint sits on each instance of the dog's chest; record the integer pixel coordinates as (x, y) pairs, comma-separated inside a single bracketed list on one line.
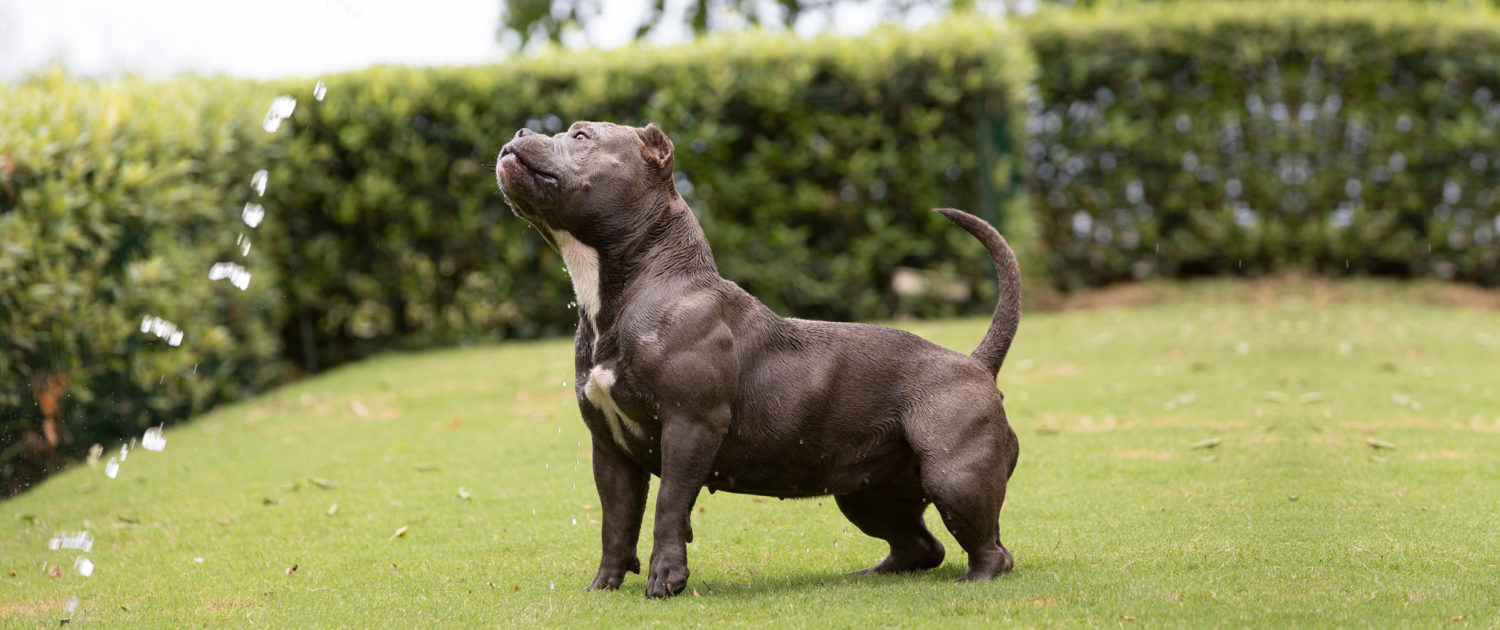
[(623, 416)]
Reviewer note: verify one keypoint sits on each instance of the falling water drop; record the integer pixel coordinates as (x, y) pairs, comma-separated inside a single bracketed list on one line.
[(112, 468), (84, 566), (258, 182), (236, 274), (253, 213), (82, 541), (281, 108), (154, 440), (319, 90)]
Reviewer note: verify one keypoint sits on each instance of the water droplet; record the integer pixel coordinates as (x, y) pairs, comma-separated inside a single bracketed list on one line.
[(72, 604), (154, 440), (84, 566), (258, 182), (281, 107), (551, 585), (112, 468), (162, 328), (82, 541), (575, 521), (319, 91), (253, 213), (236, 274), (245, 248), (124, 452)]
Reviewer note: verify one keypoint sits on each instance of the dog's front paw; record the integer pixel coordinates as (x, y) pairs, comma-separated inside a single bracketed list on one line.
[(610, 575), (667, 578)]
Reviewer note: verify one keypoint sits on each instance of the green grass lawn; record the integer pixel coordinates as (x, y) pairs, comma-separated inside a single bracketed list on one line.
[(1119, 513)]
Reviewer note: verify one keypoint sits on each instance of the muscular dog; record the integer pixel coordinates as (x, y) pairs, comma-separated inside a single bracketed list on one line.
[(683, 375)]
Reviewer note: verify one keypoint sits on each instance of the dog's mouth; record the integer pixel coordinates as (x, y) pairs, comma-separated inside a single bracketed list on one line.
[(509, 156)]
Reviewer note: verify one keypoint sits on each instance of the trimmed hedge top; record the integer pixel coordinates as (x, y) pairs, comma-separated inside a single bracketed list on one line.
[(1340, 138)]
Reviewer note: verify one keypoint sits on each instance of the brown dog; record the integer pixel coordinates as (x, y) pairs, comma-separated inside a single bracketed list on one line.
[(683, 375)]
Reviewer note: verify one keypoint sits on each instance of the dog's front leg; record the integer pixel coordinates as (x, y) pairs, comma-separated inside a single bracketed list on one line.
[(689, 444), (622, 497)]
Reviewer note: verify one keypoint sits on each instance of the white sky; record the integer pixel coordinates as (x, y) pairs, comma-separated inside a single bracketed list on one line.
[(273, 38)]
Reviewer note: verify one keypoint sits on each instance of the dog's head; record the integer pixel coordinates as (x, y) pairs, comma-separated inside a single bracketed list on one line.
[(575, 179)]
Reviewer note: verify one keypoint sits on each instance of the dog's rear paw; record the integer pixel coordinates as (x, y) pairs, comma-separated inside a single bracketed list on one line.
[(917, 556), (989, 565), (609, 577)]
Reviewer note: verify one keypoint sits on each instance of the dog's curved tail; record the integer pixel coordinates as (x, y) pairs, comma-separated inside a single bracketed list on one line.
[(991, 351)]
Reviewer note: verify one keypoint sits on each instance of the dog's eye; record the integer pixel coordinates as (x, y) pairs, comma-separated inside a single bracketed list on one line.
[(579, 135)]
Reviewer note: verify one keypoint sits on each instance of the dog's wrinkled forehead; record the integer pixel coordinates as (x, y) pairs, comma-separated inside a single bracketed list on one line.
[(604, 131)]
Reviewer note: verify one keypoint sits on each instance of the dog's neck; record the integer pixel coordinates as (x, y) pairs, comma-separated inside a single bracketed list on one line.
[(665, 243)]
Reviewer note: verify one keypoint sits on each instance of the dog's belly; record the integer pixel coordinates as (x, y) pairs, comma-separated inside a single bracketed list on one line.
[(789, 466)]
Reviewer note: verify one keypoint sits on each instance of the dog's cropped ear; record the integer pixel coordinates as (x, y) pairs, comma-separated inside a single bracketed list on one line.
[(658, 151)]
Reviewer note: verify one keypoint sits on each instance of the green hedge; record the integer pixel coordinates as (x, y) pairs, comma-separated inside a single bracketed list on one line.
[(1337, 138), (115, 200), (812, 166)]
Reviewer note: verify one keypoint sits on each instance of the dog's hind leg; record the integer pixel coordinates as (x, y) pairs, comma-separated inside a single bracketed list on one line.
[(893, 513), (966, 479)]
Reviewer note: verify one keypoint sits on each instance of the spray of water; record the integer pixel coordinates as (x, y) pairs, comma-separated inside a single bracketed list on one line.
[(154, 439)]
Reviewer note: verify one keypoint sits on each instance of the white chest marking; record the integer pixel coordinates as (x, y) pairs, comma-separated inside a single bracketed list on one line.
[(597, 391), (583, 266)]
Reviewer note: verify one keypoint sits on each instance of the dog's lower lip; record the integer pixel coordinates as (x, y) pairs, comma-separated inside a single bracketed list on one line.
[(544, 176)]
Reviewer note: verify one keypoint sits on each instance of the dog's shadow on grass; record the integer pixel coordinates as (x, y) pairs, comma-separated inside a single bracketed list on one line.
[(753, 586)]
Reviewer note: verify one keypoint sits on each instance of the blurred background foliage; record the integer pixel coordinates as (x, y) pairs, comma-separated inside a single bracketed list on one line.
[(1109, 144)]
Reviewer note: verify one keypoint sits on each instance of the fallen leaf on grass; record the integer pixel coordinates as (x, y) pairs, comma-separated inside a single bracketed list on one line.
[(333, 509), (1379, 444), (321, 482), (1208, 443), (399, 533)]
